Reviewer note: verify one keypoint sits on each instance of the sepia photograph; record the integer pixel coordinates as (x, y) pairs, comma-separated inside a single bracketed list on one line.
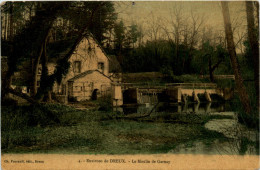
[(130, 85)]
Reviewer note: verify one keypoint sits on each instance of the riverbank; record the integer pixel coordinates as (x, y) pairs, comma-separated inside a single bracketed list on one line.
[(100, 132)]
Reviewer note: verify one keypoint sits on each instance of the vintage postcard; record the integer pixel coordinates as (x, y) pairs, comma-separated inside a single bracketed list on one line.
[(129, 85)]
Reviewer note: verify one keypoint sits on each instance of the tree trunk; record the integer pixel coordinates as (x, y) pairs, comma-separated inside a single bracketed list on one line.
[(253, 41), (176, 43), (188, 62), (35, 72), (213, 68), (244, 98), (44, 89), (211, 76), (2, 29), (45, 72), (6, 83), (256, 3), (36, 63), (22, 95), (11, 21), (8, 27), (5, 28)]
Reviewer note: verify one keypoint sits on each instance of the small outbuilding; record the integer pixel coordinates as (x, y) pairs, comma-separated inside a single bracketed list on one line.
[(88, 85)]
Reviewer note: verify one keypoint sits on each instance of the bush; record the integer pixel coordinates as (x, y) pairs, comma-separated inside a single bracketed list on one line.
[(250, 120), (105, 103), (9, 102), (225, 83), (20, 117), (72, 99), (186, 78)]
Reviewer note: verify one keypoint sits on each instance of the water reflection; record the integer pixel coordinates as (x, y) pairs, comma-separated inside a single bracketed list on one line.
[(172, 108), (240, 140), (144, 98)]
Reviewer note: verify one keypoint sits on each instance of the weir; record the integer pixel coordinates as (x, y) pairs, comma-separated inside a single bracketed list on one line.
[(130, 93), (180, 92)]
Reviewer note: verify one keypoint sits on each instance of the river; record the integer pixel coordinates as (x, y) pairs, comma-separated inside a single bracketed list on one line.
[(240, 139)]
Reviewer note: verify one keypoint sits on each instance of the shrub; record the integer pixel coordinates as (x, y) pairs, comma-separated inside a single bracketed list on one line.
[(20, 117), (8, 102), (250, 120), (225, 83), (105, 103), (186, 78), (72, 99)]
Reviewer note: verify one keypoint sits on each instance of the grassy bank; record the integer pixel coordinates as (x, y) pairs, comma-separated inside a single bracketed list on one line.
[(250, 120), (97, 132)]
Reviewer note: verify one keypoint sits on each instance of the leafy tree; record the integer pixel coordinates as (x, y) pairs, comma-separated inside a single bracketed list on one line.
[(133, 34), (119, 36), (33, 41), (29, 41), (209, 59)]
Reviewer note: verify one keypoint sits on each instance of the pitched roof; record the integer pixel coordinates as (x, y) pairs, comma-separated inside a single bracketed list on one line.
[(99, 45), (90, 35), (86, 73), (86, 36)]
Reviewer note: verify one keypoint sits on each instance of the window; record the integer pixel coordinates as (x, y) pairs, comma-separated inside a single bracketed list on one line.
[(101, 66), (77, 66)]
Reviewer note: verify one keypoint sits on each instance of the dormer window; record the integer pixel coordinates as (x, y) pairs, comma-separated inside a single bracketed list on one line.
[(77, 66), (101, 66)]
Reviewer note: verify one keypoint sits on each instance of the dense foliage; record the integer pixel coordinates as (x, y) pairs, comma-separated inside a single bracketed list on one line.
[(49, 31)]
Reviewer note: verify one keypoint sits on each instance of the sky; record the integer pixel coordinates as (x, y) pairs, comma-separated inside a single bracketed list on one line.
[(143, 13)]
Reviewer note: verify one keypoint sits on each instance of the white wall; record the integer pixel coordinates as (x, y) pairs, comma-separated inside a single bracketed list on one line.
[(89, 60), (83, 87)]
